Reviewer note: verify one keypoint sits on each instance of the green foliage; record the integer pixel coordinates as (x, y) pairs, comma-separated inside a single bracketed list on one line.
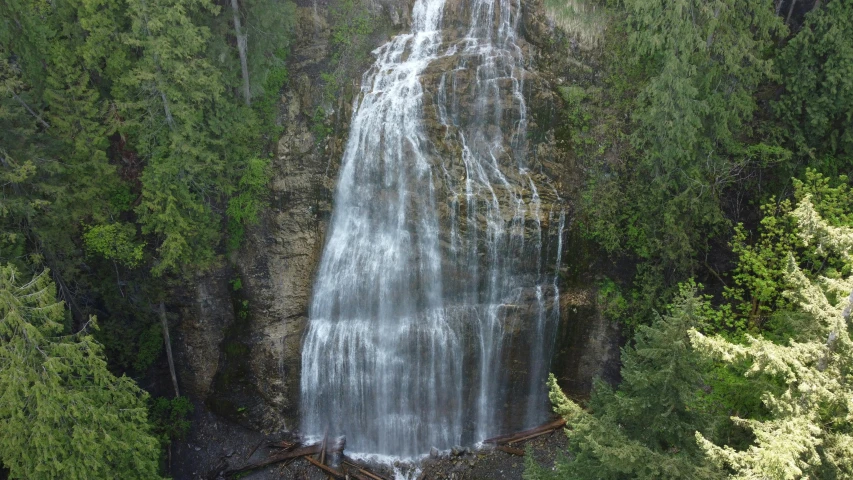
[(268, 28), (705, 61), (171, 126), (243, 309), (169, 417), (62, 413), (61, 124), (686, 76), (773, 403), (114, 242), (660, 377), (808, 432), (150, 347), (269, 25), (267, 104), (759, 278), (760, 271), (645, 429), (603, 450), (243, 208), (612, 304), (351, 25), (319, 127), (816, 67), (576, 116)]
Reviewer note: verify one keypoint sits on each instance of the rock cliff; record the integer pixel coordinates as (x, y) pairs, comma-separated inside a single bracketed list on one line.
[(240, 331)]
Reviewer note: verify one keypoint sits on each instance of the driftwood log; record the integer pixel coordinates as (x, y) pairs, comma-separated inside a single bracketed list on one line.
[(289, 451), (362, 469), (286, 455), (505, 443), (331, 471)]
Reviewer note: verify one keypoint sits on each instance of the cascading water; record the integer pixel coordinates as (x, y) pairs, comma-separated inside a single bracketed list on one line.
[(440, 257)]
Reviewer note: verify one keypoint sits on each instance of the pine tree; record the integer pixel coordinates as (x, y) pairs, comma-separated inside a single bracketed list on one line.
[(72, 179), (706, 60), (645, 429), (62, 413), (810, 432), (169, 100), (816, 68)]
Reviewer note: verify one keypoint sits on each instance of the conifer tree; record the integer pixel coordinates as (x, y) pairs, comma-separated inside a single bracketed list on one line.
[(706, 60), (810, 431), (816, 69), (645, 429), (62, 413), (170, 100)]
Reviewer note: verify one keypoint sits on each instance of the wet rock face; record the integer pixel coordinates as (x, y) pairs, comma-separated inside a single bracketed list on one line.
[(205, 315), (239, 352), (436, 297)]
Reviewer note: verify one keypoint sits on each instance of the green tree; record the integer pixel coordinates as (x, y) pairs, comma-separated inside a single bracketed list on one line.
[(760, 276), (696, 67), (62, 413), (816, 69), (810, 431), (704, 62), (604, 451), (66, 123), (168, 100), (644, 429)]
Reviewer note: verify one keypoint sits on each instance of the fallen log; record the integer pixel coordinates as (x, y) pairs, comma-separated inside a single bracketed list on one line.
[(329, 470), (362, 469), (323, 447), (527, 434), (510, 450), (283, 444), (532, 436), (282, 456), (252, 451)]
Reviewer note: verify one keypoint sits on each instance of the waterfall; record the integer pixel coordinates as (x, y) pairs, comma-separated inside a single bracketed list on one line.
[(438, 278)]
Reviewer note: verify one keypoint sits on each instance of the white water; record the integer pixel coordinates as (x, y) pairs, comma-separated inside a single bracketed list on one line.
[(431, 256)]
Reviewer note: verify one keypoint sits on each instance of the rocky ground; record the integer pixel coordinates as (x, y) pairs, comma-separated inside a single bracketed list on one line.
[(236, 446), (490, 464)]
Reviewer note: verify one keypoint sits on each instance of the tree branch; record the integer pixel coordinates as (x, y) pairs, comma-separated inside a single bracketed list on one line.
[(24, 104)]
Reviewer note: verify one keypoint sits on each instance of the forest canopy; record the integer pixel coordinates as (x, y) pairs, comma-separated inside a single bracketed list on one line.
[(135, 142), (736, 174)]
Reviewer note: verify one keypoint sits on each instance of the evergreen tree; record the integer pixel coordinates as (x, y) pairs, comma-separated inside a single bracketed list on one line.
[(646, 428), (170, 100), (71, 180), (704, 61), (810, 432), (816, 69), (62, 413)]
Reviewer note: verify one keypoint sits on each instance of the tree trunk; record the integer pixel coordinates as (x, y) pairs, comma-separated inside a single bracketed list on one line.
[(241, 47), (169, 120), (790, 11), (165, 322), (710, 39), (24, 104)]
